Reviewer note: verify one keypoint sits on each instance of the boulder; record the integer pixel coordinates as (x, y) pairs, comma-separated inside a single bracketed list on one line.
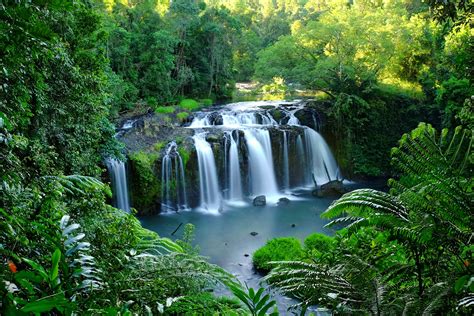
[(260, 200), (283, 201), (331, 188)]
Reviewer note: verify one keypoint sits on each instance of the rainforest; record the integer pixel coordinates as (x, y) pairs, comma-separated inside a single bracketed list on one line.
[(239, 157)]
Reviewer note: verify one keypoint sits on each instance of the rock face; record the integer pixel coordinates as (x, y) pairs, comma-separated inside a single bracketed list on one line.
[(332, 188), (260, 200)]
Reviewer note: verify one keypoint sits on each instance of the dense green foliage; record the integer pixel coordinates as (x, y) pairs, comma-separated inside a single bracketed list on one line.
[(385, 66), (409, 250), (161, 51)]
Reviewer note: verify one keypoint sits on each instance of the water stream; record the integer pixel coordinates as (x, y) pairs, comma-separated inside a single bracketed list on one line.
[(119, 183)]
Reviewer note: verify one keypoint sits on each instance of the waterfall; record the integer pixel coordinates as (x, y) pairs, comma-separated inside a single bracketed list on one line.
[(267, 119), (286, 167), (262, 175), (293, 120), (119, 183), (304, 176), (208, 183), (255, 120), (200, 122), (321, 163), (233, 170), (173, 185)]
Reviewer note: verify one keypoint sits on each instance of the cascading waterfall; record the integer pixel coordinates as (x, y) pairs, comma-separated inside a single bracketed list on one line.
[(253, 124), (305, 177), (119, 183), (293, 120), (286, 167), (233, 170), (208, 182), (321, 163), (262, 174), (173, 185)]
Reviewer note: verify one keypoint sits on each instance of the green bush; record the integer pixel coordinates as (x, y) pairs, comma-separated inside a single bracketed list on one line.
[(164, 109), (189, 104), (206, 102), (159, 146), (151, 101), (277, 249), (182, 115), (318, 244), (145, 185)]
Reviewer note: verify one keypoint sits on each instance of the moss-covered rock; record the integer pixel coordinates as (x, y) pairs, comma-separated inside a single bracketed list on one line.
[(145, 187)]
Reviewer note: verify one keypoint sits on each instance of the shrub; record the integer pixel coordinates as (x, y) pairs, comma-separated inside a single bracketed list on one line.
[(318, 244), (189, 104), (151, 101), (182, 116), (159, 146), (145, 185), (164, 109), (277, 249), (206, 102)]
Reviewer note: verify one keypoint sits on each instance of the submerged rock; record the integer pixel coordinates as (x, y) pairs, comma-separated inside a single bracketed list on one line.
[(254, 233), (283, 201), (260, 200)]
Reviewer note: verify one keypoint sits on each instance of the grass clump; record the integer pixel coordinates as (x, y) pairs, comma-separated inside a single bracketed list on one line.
[(159, 146), (164, 109), (189, 104), (182, 116), (277, 249), (206, 102)]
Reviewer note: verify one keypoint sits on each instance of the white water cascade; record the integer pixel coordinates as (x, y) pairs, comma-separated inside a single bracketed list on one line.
[(286, 166), (321, 163), (305, 178), (233, 169), (262, 174), (173, 184), (208, 182), (119, 183)]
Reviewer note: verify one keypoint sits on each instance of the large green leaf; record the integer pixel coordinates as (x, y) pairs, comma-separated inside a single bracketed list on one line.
[(55, 265), (46, 304)]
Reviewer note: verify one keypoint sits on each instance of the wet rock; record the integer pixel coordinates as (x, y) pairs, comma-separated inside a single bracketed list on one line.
[(332, 188), (254, 233), (213, 138), (260, 200), (283, 201)]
